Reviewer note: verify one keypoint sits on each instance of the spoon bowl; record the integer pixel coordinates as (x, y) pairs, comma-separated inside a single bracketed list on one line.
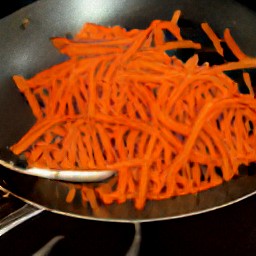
[(17, 164)]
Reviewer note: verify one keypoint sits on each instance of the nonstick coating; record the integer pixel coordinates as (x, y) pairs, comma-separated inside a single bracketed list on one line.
[(27, 50)]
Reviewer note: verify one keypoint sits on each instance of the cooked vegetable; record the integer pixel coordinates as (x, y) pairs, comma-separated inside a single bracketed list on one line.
[(122, 103)]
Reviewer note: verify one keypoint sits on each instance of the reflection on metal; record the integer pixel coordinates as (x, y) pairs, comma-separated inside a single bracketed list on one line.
[(47, 248), (134, 250)]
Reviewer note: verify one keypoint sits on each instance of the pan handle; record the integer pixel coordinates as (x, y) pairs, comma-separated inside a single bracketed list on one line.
[(28, 211), (16, 218)]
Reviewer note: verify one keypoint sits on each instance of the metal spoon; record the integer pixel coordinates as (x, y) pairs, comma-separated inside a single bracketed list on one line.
[(15, 163)]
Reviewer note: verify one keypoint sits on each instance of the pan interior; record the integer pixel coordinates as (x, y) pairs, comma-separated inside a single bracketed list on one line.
[(28, 51)]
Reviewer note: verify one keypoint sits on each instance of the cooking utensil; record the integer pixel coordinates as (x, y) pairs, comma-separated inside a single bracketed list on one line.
[(27, 50), (15, 163)]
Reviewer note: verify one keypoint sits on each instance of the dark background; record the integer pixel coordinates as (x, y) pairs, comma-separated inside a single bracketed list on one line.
[(227, 231)]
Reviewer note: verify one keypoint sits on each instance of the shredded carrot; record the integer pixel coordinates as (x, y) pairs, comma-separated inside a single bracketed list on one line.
[(213, 37), (233, 45), (121, 103), (176, 16), (248, 82), (71, 195)]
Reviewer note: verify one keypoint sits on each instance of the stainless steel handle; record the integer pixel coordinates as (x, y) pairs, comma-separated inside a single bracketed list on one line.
[(16, 218), (27, 211)]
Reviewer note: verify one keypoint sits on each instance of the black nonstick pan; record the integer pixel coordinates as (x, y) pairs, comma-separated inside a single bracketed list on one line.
[(25, 49)]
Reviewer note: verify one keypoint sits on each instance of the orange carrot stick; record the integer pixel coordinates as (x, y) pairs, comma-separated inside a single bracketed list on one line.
[(233, 46), (213, 37)]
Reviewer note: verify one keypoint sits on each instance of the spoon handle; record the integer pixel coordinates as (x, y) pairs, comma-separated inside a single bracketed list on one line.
[(16, 218)]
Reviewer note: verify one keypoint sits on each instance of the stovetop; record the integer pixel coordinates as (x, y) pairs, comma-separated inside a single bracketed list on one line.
[(226, 231)]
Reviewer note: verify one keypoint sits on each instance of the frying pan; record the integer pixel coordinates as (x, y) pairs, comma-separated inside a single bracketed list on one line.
[(25, 49)]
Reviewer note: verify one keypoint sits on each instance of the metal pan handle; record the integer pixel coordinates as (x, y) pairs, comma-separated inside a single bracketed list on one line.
[(16, 218), (27, 212)]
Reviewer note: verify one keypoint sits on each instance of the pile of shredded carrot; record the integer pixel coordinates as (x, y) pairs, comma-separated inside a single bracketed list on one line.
[(120, 102)]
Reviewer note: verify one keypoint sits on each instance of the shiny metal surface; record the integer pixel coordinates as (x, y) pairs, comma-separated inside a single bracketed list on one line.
[(63, 175), (19, 164), (17, 217), (27, 51)]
